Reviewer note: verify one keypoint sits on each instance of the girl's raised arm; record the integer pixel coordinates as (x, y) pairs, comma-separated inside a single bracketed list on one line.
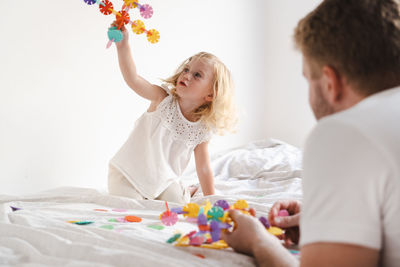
[(137, 83)]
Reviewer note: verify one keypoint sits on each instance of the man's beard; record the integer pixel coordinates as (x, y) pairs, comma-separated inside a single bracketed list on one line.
[(321, 106)]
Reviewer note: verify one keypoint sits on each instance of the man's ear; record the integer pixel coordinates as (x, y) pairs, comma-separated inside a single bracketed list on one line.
[(333, 85), (209, 97)]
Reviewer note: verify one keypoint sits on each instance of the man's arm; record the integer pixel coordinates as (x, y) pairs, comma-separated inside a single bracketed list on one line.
[(338, 254), (250, 237)]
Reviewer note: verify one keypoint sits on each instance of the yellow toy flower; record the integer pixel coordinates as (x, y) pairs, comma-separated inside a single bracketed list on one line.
[(138, 26), (207, 207), (191, 209), (275, 231), (131, 3), (220, 244), (241, 204), (153, 36), (226, 218), (183, 241)]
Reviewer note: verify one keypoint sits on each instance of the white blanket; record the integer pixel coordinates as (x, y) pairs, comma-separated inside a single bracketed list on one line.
[(40, 234)]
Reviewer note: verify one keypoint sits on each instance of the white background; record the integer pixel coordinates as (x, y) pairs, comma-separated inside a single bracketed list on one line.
[(65, 109)]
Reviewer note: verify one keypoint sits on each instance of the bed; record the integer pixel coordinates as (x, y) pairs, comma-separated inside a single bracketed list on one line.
[(39, 229)]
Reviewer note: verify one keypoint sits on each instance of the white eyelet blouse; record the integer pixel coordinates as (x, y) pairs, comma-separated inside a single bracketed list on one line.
[(159, 148)]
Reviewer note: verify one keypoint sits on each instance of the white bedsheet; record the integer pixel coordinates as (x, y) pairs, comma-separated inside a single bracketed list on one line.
[(40, 235)]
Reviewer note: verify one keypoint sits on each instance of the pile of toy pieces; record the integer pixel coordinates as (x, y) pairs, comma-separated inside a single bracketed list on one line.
[(211, 221)]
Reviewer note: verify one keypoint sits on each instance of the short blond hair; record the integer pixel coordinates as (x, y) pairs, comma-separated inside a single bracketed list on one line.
[(358, 38), (220, 114)]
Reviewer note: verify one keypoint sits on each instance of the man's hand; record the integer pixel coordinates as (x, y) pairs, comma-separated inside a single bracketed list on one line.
[(248, 234), (289, 223), (251, 237)]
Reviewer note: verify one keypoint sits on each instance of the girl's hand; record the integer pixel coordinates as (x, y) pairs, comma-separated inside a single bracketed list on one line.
[(125, 35)]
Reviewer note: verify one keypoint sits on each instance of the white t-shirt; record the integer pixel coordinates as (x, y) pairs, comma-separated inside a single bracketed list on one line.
[(159, 148), (351, 179)]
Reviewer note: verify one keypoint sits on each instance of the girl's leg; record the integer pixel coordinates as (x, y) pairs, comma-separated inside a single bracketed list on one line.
[(120, 186), (175, 193)]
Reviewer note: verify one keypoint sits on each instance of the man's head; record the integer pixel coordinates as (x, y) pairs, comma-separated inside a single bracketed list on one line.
[(351, 49)]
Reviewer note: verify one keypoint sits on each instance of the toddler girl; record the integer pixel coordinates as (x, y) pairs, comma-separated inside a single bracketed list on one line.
[(184, 112)]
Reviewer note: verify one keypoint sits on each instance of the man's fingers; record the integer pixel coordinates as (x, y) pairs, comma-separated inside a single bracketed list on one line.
[(225, 236), (278, 205), (287, 221), (234, 214), (273, 211)]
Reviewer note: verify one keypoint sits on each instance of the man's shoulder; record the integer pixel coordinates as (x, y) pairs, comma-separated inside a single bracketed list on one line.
[(370, 128), (331, 128), (376, 117)]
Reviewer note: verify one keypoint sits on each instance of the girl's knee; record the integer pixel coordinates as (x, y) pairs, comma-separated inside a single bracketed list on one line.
[(175, 192)]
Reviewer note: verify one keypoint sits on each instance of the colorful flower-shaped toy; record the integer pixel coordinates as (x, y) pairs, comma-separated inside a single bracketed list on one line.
[(211, 221), (122, 18)]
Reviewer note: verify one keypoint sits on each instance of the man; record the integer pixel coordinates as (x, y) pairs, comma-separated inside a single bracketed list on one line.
[(350, 215)]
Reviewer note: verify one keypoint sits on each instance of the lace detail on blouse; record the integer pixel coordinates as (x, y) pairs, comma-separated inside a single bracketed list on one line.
[(191, 133)]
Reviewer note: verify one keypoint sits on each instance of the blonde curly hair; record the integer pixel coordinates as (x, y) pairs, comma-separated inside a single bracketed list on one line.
[(219, 115)]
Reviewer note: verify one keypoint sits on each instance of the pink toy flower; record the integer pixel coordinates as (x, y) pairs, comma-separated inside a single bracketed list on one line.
[(169, 218), (146, 11)]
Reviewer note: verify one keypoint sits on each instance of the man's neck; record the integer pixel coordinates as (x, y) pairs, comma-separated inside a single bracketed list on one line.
[(350, 98)]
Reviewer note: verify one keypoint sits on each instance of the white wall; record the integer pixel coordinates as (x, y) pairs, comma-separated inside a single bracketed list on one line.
[(286, 114), (65, 110)]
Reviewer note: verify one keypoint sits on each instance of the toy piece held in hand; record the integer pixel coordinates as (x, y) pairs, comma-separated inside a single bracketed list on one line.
[(283, 213), (122, 18), (273, 229)]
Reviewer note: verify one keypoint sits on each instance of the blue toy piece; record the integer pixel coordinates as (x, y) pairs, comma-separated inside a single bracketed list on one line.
[(215, 213), (115, 35)]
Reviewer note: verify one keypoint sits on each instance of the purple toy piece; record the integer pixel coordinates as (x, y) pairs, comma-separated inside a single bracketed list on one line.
[(265, 222), (202, 219), (14, 208), (214, 225), (222, 203), (224, 225), (178, 210), (215, 230), (90, 2)]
